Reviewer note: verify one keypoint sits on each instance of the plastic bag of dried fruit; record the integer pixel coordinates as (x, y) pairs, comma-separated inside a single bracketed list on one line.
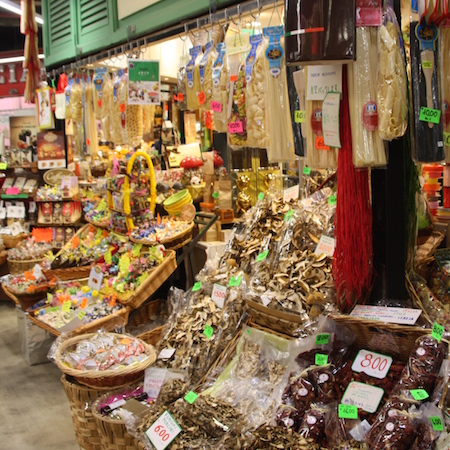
[(219, 97)]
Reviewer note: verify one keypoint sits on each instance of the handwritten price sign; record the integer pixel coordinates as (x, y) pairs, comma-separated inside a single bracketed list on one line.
[(219, 294), (235, 127), (163, 431), (216, 106), (373, 364)]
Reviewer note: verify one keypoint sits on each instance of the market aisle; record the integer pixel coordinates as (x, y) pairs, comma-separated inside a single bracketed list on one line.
[(34, 410)]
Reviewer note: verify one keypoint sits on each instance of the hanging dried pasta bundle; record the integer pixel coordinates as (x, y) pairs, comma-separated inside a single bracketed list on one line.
[(219, 97), (257, 135), (106, 110), (67, 92), (130, 116), (277, 113), (181, 78), (391, 84), (99, 79), (75, 101), (193, 86), (368, 147), (90, 121), (444, 46), (148, 116), (118, 105)]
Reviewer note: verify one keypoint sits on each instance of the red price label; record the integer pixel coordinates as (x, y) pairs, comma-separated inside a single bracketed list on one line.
[(201, 98), (235, 127), (219, 294), (373, 364), (162, 433), (216, 106), (320, 143)]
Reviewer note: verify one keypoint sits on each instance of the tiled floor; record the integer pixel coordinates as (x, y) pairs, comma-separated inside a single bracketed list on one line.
[(34, 410)]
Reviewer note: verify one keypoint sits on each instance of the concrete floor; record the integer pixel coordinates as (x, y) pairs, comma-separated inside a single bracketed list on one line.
[(34, 410)]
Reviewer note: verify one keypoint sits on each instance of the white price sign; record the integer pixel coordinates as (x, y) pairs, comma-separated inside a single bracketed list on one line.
[(15, 212), (95, 278), (163, 431), (219, 294), (153, 381), (326, 245), (323, 79), (363, 395), (291, 193), (37, 272), (16, 228), (166, 353), (373, 364)]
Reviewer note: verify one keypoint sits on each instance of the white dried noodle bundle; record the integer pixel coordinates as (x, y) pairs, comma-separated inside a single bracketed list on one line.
[(118, 98), (148, 114), (220, 95), (368, 147), (75, 103), (107, 105), (257, 135), (192, 93), (391, 85), (90, 121)]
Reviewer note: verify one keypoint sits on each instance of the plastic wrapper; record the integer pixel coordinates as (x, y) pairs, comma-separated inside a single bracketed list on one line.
[(90, 127), (444, 57), (100, 77), (391, 83), (295, 108), (277, 112), (428, 142), (182, 83), (107, 105), (257, 135), (368, 147), (148, 116), (426, 434), (118, 97), (193, 87), (440, 392), (205, 67), (314, 35), (219, 90), (439, 280), (131, 118), (75, 106)]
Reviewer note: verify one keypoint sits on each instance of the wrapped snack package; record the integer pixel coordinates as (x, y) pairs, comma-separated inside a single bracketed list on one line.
[(193, 87), (181, 82), (205, 73), (219, 97), (117, 103)]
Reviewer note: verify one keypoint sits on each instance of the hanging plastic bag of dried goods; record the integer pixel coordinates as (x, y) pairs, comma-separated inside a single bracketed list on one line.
[(90, 125), (181, 80), (391, 83), (277, 112), (75, 107), (237, 47), (255, 99), (428, 138), (134, 121), (205, 72), (99, 79), (219, 97), (148, 116), (444, 56), (368, 147), (193, 87), (107, 105), (115, 110)]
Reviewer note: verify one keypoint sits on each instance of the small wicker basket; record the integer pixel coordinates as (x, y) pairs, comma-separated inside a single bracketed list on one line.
[(17, 266), (12, 241), (24, 301)]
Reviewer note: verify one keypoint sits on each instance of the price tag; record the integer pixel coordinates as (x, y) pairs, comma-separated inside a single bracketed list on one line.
[(235, 281), (66, 306), (326, 245), (37, 271), (429, 115), (288, 216), (153, 381), (323, 79), (427, 64), (197, 286), (436, 423), (16, 229), (13, 191), (262, 256), (216, 106), (437, 331), (290, 193), (320, 143), (83, 303), (190, 397), (201, 98), (306, 170), (163, 431), (332, 200), (330, 120), (419, 394), (208, 331), (32, 207), (320, 359), (363, 396), (95, 278), (2, 213), (81, 315), (261, 196), (166, 353), (373, 364), (108, 257), (219, 294), (299, 116), (235, 127), (323, 339), (347, 411), (3, 166)]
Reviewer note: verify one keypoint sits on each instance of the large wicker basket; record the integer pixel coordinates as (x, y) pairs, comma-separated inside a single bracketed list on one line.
[(71, 273), (3, 257), (12, 241), (110, 378), (80, 401), (24, 301), (17, 266)]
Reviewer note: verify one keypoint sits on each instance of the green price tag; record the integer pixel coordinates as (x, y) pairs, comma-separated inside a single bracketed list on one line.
[(52, 309), (261, 196), (332, 200), (197, 286), (3, 166), (322, 339), (299, 116), (427, 64), (288, 215), (208, 331), (419, 394), (49, 297), (429, 115), (81, 315), (347, 411), (446, 139), (262, 256), (136, 250), (248, 330), (215, 194), (108, 257), (320, 359), (306, 170), (437, 424), (66, 306), (437, 331), (190, 397), (235, 281)]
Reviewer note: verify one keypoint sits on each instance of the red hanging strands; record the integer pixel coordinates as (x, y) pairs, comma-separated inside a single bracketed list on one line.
[(29, 28), (352, 264)]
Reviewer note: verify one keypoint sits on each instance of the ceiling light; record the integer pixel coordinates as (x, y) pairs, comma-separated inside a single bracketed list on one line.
[(16, 59), (10, 6)]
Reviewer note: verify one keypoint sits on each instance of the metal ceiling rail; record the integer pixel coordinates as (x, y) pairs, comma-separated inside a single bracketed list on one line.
[(133, 47)]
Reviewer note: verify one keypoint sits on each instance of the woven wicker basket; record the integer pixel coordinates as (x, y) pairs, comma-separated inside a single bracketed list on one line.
[(107, 323), (96, 224), (16, 266), (71, 273), (151, 337), (3, 257), (12, 241), (24, 301), (113, 433), (80, 401), (382, 337), (110, 378)]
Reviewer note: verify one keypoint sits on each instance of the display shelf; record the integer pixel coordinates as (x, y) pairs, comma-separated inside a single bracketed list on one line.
[(69, 199), (17, 197), (78, 223)]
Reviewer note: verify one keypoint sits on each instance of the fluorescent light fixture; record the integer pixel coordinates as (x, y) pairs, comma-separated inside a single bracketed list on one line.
[(13, 7), (16, 59)]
